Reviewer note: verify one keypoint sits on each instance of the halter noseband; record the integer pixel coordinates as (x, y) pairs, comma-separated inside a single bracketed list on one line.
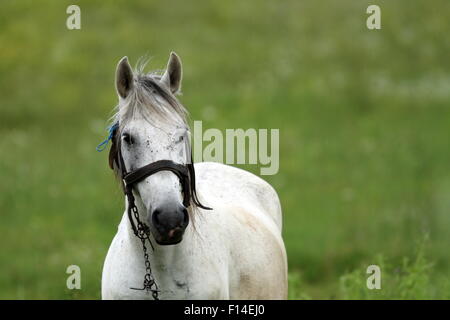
[(130, 179), (140, 174)]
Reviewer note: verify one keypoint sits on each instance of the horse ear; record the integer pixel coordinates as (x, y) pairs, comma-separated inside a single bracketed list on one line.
[(124, 78), (173, 74)]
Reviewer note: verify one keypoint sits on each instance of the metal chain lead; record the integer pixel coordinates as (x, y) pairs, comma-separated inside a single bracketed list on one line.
[(143, 234)]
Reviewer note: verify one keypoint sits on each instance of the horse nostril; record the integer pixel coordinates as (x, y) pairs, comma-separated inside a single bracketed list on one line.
[(156, 216), (176, 232)]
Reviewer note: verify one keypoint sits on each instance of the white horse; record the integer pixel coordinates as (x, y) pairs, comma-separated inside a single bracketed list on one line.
[(234, 251)]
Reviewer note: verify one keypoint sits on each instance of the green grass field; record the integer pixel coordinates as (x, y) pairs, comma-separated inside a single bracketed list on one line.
[(364, 120)]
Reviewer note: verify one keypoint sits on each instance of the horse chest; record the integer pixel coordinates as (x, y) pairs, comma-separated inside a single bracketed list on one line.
[(124, 270), (180, 286)]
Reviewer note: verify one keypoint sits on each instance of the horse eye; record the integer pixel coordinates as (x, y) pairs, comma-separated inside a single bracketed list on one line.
[(128, 138)]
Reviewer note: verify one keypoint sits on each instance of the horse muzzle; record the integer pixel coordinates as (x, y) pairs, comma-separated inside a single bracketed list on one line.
[(168, 224)]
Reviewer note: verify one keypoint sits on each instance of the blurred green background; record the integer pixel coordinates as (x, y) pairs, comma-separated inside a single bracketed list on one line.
[(364, 127)]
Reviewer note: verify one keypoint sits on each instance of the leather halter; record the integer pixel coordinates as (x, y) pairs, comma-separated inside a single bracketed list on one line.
[(185, 174)]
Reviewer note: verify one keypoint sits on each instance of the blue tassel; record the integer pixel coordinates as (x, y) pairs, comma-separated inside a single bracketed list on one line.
[(112, 129)]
